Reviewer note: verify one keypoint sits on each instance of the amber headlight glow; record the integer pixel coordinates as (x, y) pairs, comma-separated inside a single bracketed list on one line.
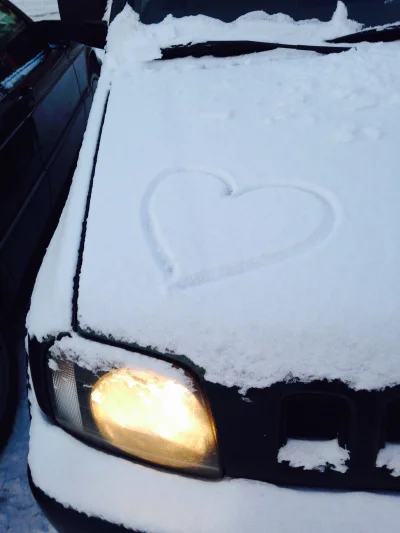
[(152, 417), (161, 419)]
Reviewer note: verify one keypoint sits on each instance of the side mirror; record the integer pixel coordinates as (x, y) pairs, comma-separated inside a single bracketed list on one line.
[(89, 33), (82, 10)]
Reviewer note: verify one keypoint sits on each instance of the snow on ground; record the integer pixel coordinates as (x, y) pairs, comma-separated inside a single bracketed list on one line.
[(39, 9), (19, 512)]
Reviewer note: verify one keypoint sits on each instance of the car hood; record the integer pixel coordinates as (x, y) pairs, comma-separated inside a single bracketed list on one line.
[(244, 214)]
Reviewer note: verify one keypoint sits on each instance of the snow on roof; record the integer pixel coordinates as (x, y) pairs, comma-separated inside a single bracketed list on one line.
[(244, 212)]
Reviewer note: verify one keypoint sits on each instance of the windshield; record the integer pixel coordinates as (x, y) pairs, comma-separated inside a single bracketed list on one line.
[(368, 12)]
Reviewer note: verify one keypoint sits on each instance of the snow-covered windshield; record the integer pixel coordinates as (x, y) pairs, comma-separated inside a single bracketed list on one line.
[(368, 12)]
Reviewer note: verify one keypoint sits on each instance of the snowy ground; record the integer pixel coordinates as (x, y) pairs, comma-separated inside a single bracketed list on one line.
[(39, 9), (19, 512)]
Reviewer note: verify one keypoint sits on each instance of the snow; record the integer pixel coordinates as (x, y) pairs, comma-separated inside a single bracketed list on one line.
[(19, 512), (206, 200), (148, 500), (39, 9), (52, 296), (389, 457), (128, 37), (271, 177), (100, 357), (314, 455)]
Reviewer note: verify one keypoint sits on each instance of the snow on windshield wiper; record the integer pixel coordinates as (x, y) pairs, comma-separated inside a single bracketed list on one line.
[(380, 34), (238, 48)]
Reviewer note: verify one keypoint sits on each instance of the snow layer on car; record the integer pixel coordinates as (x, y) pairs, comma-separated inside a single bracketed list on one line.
[(389, 457), (314, 455), (51, 304), (128, 38), (95, 357), (244, 210), (144, 499), (245, 214)]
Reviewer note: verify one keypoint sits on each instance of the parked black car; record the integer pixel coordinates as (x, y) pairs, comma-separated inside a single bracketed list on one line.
[(46, 89), (192, 354)]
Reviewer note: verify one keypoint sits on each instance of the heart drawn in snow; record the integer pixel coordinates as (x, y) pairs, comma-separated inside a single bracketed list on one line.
[(200, 228)]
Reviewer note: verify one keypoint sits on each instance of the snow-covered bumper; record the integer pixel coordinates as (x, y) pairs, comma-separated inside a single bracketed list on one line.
[(117, 491), (144, 499)]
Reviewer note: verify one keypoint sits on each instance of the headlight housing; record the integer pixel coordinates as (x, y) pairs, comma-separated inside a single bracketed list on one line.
[(138, 407)]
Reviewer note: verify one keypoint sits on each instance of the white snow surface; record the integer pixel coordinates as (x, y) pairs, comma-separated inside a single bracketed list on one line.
[(95, 357), (128, 38), (314, 455), (19, 512), (389, 457), (244, 210), (144, 499), (39, 9), (52, 297)]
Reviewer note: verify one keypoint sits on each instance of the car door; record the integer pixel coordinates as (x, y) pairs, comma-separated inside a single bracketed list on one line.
[(24, 188), (59, 116)]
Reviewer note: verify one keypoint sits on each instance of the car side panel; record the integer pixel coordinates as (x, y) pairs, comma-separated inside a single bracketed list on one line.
[(59, 120), (24, 194), (42, 156)]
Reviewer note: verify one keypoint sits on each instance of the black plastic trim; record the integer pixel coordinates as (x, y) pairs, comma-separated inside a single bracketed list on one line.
[(239, 48), (250, 435), (37, 353)]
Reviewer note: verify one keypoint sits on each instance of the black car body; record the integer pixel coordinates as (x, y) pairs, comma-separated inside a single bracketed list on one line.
[(46, 90), (98, 340)]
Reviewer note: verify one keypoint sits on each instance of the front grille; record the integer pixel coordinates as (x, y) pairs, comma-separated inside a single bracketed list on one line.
[(315, 417), (252, 430)]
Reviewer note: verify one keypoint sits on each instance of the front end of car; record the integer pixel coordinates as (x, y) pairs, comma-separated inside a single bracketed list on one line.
[(176, 389), (141, 442)]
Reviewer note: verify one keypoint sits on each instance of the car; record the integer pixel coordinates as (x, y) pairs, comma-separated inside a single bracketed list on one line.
[(46, 90), (214, 328)]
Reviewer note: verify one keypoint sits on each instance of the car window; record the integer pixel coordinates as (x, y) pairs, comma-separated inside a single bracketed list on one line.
[(10, 25), (19, 49), (368, 12)]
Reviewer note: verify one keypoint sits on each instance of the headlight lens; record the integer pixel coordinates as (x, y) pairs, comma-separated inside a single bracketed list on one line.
[(152, 417), (160, 418)]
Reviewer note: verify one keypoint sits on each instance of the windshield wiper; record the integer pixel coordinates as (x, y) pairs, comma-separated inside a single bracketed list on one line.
[(373, 35), (239, 48)]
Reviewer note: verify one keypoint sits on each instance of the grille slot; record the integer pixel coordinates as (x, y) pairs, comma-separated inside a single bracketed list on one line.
[(314, 416), (393, 422)]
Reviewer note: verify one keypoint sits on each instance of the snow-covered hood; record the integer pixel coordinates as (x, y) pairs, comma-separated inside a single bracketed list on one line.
[(245, 214)]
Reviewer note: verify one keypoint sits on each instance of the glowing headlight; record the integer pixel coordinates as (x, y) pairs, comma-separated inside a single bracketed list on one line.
[(152, 417), (162, 419)]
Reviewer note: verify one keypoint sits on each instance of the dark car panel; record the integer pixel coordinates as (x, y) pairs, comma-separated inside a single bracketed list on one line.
[(59, 91), (45, 97), (43, 113)]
